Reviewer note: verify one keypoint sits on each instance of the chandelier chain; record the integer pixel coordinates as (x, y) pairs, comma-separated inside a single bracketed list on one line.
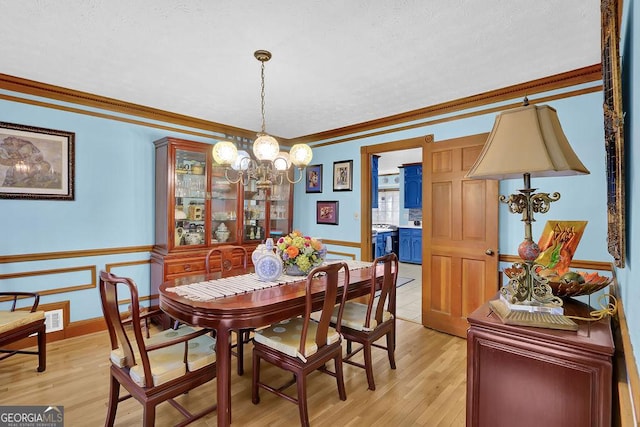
[(262, 96)]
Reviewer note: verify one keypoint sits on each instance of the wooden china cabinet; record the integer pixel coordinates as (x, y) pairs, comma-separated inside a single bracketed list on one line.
[(197, 209)]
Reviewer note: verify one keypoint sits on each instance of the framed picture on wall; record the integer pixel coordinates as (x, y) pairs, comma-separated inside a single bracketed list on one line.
[(314, 179), (36, 163), (327, 212), (343, 175)]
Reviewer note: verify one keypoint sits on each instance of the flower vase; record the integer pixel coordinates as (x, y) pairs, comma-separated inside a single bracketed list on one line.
[(293, 270)]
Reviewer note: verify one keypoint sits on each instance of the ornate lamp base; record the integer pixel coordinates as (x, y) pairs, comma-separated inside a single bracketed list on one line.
[(527, 287)]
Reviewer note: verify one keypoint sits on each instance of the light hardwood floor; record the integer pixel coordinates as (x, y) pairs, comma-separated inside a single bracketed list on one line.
[(426, 389), (409, 296)]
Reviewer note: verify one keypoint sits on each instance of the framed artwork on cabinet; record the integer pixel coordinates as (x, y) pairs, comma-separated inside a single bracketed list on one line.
[(314, 179), (36, 163), (343, 175), (327, 212)]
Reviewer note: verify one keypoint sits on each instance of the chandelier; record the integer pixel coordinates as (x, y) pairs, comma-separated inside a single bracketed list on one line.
[(270, 166)]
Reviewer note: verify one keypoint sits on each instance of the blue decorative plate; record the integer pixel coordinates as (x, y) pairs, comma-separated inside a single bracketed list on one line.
[(268, 267)]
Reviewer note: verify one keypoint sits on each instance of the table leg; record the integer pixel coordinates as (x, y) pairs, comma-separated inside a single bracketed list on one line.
[(223, 373)]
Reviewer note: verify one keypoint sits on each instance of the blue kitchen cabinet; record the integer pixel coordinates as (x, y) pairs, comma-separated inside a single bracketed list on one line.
[(410, 245), (381, 243), (412, 186)]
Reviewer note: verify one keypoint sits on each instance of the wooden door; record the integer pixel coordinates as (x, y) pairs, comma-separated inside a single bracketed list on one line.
[(460, 235)]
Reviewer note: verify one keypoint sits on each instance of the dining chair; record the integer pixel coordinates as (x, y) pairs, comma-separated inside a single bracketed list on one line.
[(19, 323), (161, 368), (231, 257), (301, 345), (367, 323)]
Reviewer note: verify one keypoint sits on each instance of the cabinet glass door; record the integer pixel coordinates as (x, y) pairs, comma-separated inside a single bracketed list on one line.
[(224, 205), (190, 191), (255, 213), (279, 211)]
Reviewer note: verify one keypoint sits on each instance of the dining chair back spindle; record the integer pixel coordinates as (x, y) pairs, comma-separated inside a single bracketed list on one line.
[(231, 257)]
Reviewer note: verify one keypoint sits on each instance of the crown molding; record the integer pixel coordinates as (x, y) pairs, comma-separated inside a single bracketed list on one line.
[(558, 81)]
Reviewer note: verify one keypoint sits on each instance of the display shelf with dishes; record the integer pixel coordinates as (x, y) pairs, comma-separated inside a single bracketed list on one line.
[(197, 208), (189, 197), (224, 208), (267, 212)]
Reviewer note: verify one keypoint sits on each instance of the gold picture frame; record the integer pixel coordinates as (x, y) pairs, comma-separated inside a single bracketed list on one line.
[(613, 130)]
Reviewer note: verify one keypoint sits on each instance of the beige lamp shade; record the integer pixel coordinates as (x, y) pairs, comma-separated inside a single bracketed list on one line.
[(526, 139)]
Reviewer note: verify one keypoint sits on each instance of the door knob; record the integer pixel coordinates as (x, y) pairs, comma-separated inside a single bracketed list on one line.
[(489, 252)]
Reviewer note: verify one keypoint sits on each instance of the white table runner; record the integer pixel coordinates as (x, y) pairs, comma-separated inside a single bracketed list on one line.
[(235, 285)]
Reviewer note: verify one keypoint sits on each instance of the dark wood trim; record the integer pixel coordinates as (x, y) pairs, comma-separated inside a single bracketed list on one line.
[(490, 110), (31, 87), (588, 265), (6, 259), (341, 243), (583, 75), (107, 116), (579, 76), (344, 254), (90, 268)]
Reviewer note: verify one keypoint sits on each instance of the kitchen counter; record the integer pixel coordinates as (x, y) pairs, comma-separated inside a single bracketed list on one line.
[(410, 226)]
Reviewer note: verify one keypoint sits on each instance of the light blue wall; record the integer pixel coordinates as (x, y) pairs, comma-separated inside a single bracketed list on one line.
[(583, 197), (113, 206), (629, 284)]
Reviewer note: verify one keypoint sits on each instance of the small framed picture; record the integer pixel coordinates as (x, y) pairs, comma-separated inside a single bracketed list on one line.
[(343, 175), (314, 179), (327, 213), (36, 163)]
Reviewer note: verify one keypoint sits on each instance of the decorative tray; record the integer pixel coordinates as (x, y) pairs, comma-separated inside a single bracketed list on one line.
[(572, 284), (572, 288)]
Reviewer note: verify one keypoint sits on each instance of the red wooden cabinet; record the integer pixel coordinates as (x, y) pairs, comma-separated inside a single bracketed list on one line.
[(525, 376), (197, 208)]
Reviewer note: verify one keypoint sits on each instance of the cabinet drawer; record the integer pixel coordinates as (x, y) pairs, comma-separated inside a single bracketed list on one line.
[(185, 267)]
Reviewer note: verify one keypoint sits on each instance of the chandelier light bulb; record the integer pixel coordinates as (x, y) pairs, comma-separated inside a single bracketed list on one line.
[(242, 161), (265, 147), (224, 152), (282, 162), (300, 155)]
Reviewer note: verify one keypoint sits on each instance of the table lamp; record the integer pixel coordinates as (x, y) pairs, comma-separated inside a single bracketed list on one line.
[(527, 141)]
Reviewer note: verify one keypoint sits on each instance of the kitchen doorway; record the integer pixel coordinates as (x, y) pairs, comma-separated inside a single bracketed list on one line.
[(391, 214)]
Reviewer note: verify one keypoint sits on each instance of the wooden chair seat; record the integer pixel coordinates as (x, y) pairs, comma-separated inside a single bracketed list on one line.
[(301, 346), (17, 324), (10, 320), (355, 317), (285, 337), (157, 369)]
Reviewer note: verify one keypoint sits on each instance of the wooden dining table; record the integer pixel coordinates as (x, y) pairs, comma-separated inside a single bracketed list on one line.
[(251, 309)]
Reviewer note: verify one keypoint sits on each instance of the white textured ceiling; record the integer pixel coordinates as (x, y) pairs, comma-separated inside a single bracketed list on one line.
[(335, 62)]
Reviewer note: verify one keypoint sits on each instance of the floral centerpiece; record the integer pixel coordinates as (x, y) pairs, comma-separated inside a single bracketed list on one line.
[(300, 252)]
